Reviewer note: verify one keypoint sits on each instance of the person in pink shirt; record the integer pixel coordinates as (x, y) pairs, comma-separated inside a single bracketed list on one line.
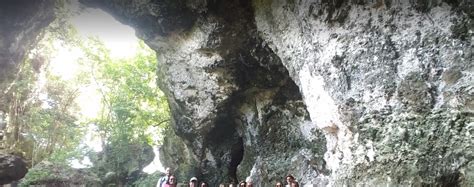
[(171, 181)]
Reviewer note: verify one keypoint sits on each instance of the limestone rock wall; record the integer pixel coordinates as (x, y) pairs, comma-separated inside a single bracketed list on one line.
[(389, 83), (21, 22), (236, 112), (335, 92)]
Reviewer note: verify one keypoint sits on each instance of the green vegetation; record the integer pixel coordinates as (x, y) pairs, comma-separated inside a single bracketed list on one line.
[(131, 100), (132, 104), (40, 115), (45, 122), (148, 180), (59, 175)]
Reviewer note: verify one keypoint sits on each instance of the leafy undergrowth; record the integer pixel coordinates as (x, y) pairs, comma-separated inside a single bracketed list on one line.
[(50, 174), (148, 180)]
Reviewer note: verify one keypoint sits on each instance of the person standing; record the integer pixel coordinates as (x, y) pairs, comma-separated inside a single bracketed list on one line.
[(295, 184), (248, 182), (289, 180), (193, 182), (172, 182), (164, 180)]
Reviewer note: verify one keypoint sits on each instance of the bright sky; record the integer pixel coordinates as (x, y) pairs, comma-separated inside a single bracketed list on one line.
[(119, 38), (122, 43)]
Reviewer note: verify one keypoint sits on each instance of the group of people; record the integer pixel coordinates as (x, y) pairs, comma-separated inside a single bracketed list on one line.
[(170, 180)]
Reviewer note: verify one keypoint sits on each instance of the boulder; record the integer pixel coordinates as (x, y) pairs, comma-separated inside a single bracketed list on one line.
[(12, 168)]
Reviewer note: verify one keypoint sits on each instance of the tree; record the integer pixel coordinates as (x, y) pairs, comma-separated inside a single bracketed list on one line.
[(132, 103), (41, 115), (38, 109)]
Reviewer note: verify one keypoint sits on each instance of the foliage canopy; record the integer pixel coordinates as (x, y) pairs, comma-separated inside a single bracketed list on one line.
[(41, 111)]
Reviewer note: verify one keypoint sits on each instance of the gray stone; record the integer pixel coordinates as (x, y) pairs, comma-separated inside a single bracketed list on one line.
[(388, 61), (12, 168), (21, 22), (335, 92)]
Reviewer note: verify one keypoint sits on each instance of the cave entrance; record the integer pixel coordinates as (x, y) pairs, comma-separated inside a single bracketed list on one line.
[(87, 97)]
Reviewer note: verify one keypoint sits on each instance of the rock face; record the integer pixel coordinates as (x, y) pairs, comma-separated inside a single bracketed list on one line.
[(236, 112), (334, 92), (390, 84), (12, 168), (21, 21), (372, 80)]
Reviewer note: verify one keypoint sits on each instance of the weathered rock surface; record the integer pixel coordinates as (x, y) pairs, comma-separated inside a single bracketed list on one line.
[(390, 84), (236, 111), (335, 92), (12, 168), (21, 22)]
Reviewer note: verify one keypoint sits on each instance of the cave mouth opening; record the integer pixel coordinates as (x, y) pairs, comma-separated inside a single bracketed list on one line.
[(87, 86), (259, 73), (121, 56)]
